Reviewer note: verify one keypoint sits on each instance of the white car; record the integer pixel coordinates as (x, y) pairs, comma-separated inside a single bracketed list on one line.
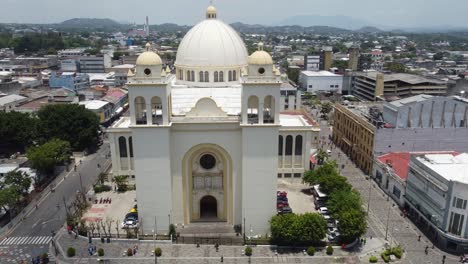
[(328, 151), (323, 210)]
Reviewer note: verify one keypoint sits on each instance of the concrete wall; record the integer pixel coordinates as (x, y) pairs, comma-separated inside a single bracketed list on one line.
[(321, 83), (420, 139), (259, 168)]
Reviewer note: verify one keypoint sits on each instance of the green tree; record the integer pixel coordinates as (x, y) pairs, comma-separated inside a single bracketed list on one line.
[(69, 122), (19, 180), (352, 224), (292, 229), (395, 66), (342, 201), (17, 128), (293, 74), (9, 198), (326, 108), (45, 157), (340, 64), (315, 176), (121, 182)]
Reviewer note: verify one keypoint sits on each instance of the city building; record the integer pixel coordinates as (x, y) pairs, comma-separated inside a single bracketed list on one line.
[(8, 85), (375, 86), (102, 109), (319, 61), (436, 198), (354, 134), (353, 62), (390, 172), (70, 65), (312, 62), (208, 142), (70, 80), (8, 102), (61, 96), (95, 64), (320, 82)]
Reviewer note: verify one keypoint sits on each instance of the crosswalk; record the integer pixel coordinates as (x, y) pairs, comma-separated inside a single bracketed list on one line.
[(33, 240)]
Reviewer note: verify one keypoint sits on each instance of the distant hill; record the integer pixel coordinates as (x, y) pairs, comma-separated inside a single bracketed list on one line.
[(369, 30), (344, 22), (261, 29), (89, 23)]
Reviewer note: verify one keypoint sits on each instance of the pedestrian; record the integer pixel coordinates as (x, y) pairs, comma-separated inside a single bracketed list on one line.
[(443, 259), (419, 238), (426, 250)]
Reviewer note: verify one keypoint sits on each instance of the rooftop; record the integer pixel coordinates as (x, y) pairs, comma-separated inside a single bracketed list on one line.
[(404, 77), (94, 104), (319, 74), (11, 98), (412, 99), (451, 167), (399, 161)]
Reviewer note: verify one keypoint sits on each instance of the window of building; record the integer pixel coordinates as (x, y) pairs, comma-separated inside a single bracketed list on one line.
[(331, 86), (230, 76), (215, 76), (192, 77), (122, 147), (280, 175), (130, 146), (297, 175), (298, 147), (200, 77), (459, 203), (378, 176), (207, 161), (396, 192), (287, 175), (310, 86), (234, 75), (289, 145), (280, 146), (456, 223), (221, 76), (207, 77)]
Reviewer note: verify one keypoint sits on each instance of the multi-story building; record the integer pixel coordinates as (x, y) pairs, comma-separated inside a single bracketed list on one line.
[(321, 61), (8, 85), (8, 102), (355, 134), (436, 198), (374, 86), (70, 80), (95, 64), (69, 65), (320, 81), (103, 109)]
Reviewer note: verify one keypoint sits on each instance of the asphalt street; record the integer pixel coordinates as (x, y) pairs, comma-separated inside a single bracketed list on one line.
[(32, 236)]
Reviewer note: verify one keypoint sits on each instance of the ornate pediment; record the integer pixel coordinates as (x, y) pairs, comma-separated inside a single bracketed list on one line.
[(206, 107)]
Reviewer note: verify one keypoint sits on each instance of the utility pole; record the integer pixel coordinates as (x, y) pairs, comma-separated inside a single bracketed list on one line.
[(244, 229)]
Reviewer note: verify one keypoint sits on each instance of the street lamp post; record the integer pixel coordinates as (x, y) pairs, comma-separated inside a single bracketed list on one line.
[(390, 205), (244, 229)]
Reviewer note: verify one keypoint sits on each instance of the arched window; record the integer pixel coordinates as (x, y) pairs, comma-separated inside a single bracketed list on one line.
[(156, 110), (130, 146), (122, 147), (230, 76), (252, 110), (207, 77), (234, 75), (289, 145), (181, 75), (298, 147), (280, 146), (200, 76), (140, 110), (188, 76), (193, 76), (269, 109), (215, 76), (221, 76)]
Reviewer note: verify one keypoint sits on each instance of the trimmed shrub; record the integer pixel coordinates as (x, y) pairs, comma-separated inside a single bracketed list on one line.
[(100, 252), (386, 258), (129, 252), (71, 252), (397, 251), (329, 250), (157, 252), (45, 258), (310, 251), (248, 251), (102, 188), (373, 259)]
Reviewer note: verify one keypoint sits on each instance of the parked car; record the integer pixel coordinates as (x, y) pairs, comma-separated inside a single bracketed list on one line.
[(285, 210), (333, 236), (323, 211), (130, 221)]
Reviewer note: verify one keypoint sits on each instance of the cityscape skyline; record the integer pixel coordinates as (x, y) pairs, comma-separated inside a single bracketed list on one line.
[(415, 14)]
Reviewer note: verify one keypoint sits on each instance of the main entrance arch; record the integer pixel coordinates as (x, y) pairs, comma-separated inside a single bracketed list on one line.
[(207, 184), (208, 208)]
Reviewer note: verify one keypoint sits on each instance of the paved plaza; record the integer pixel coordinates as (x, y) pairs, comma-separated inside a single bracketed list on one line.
[(299, 201)]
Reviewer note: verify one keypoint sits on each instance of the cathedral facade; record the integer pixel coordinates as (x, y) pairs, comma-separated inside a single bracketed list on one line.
[(208, 141)]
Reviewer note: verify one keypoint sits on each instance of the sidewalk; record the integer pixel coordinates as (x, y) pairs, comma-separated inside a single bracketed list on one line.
[(189, 253)]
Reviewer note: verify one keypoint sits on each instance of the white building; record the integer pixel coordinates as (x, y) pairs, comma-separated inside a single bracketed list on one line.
[(320, 81), (209, 142)]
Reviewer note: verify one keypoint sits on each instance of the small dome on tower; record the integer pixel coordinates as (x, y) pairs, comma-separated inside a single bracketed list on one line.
[(211, 12), (260, 57), (149, 57)]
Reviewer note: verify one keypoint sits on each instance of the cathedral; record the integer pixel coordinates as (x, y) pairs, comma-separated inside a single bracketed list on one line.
[(208, 141)]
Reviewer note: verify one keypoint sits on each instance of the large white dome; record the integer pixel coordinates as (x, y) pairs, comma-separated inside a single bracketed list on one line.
[(211, 43)]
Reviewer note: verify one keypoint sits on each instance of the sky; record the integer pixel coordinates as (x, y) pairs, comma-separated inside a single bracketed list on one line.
[(393, 13)]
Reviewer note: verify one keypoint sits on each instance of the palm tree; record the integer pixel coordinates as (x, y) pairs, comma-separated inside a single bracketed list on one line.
[(121, 182)]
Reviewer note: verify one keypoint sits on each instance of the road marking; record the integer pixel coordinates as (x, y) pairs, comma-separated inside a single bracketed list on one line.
[(33, 240)]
